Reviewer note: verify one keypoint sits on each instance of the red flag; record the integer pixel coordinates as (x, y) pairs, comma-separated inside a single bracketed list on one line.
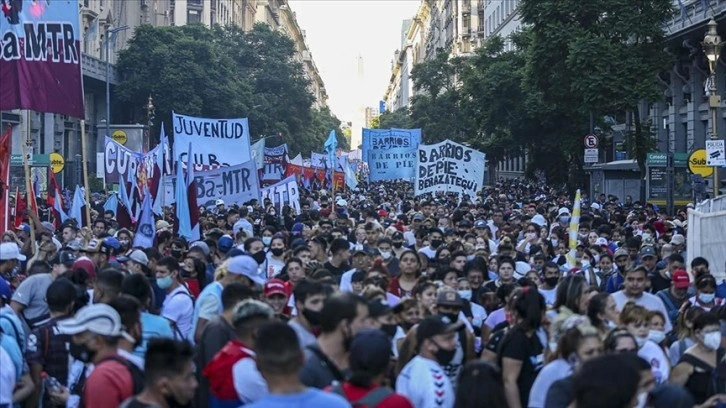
[(5, 178), (53, 195), (20, 206)]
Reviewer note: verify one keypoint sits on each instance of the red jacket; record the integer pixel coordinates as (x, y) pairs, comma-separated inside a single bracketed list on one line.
[(219, 370)]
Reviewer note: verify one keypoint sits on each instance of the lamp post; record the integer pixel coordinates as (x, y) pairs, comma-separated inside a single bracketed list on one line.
[(150, 115), (109, 31), (712, 48)]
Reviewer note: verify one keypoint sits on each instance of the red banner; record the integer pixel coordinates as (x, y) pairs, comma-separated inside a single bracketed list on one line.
[(314, 178), (4, 178)]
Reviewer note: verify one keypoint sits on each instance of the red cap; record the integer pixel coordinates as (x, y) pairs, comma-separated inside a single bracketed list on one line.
[(275, 287), (681, 279)]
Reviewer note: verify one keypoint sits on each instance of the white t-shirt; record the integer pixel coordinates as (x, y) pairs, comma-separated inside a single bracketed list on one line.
[(549, 295), (179, 308), (7, 378), (425, 383), (248, 381), (648, 301), (556, 370), (659, 363)]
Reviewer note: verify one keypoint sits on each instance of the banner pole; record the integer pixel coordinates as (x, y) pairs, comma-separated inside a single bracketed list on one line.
[(28, 183), (84, 158)]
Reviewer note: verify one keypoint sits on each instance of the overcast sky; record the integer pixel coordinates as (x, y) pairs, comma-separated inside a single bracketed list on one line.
[(338, 31)]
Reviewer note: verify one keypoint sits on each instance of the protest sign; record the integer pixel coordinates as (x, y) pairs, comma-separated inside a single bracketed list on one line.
[(123, 164), (217, 142), (275, 160), (449, 167), (235, 185), (284, 193), (322, 161), (40, 62), (390, 153), (313, 178)]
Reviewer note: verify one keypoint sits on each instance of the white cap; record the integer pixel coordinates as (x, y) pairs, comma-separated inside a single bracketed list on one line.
[(601, 242), (563, 210), (98, 318), (137, 256), (219, 202), (10, 250), (246, 266), (341, 203), (594, 206), (539, 220)]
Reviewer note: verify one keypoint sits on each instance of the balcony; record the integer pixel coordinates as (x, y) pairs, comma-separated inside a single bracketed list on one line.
[(96, 69), (693, 14)]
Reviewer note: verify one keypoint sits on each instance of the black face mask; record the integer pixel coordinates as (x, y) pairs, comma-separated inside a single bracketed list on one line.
[(259, 257), (312, 316), (453, 317), (435, 243), (277, 251), (81, 352), (172, 402), (397, 244), (443, 357), (552, 281), (176, 253), (389, 329)]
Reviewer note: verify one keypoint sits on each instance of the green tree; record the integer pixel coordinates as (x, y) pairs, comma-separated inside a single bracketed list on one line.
[(313, 139), (222, 72), (592, 57), (398, 119)]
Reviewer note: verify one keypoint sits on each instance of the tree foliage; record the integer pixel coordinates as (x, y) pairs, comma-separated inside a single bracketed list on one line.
[(223, 72), (573, 58)]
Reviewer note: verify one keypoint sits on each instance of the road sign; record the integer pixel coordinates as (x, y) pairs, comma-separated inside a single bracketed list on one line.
[(697, 163), (715, 153), (591, 141), (57, 162), (119, 136), (591, 155)]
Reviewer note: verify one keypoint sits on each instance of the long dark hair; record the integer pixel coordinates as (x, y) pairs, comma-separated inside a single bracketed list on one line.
[(480, 385), (529, 305)]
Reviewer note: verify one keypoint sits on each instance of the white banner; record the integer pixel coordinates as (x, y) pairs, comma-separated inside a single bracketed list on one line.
[(285, 192), (235, 185), (449, 167), (217, 142)]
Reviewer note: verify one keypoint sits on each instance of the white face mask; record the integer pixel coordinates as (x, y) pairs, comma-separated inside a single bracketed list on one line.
[(712, 340), (656, 336), (266, 241), (554, 242), (646, 236), (386, 254), (465, 294), (641, 341)]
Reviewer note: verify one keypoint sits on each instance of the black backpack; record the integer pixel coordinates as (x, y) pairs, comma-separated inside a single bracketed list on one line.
[(137, 375)]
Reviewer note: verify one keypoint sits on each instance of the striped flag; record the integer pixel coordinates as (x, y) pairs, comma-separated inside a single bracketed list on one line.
[(574, 229)]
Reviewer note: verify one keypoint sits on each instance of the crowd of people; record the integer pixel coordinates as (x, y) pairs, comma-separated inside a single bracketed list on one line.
[(366, 298)]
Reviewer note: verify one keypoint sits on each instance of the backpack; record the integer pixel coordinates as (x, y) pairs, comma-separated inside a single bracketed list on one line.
[(137, 375), (175, 328), (370, 400)]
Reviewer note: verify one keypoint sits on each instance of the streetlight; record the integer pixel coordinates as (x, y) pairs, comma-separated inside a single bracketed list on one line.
[(712, 48), (108, 74), (150, 116)]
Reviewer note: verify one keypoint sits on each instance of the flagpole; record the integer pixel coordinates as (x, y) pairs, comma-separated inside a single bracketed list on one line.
[(85, 172), (28, 185), (162, 190)]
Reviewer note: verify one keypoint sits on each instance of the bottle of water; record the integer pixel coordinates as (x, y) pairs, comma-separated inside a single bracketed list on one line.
[(51, 383)]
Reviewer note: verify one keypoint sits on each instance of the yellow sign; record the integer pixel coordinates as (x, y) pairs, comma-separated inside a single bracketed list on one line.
[(119, 136), (56, 162), (697, 163)]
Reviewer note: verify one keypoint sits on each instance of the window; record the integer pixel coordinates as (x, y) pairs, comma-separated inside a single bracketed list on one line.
[(193, 16)]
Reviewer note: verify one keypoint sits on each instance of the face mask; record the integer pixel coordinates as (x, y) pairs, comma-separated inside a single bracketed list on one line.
[(596, 258), (712, 341), (164, 283), (610, 324), (277, 251), (453, 317), (259, 257), (172, 402), (640, 341), (465, 294), (389, 329), (272, 213), (552, 281), (435, 243), (656, 336), (81, 352), (386, 254), (564, 219), (583, 237), (176, 253), (443, 357), (706, 297), (266, 241), (397, 244), (642, 400), (646, 236), (554, 242), (312, 316), (585, 264), (124, 243)]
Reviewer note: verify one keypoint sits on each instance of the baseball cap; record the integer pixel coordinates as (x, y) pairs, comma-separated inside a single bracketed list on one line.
[(274, 287), (680, 279), (418, 217), (539, 220), (647, 251), (63, 257), (620, 252), (341, 203), (449, 298), (24, 227), (246, 266), (435, 325), (201, 244), (563, 210), (601, 242), (370, 351), (96, 245), (397, 236), (378, 308), (225, 243), (678, 239), (297, 228), (162, 225), (10, 250), (137, 256), (594, 206), (85, 264), (98, 318), (219, 202), (480, 224), (48, 225)]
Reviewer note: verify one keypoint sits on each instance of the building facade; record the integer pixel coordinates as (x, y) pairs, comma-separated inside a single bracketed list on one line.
[(51, 133)]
